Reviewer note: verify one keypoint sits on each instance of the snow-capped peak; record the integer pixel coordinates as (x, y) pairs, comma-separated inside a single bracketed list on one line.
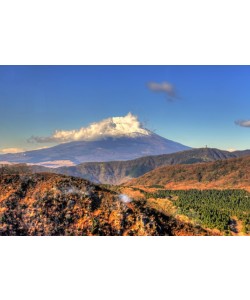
[(128, 125)]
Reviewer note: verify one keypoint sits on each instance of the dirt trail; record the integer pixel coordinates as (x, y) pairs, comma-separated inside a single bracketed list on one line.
[(237, 228)]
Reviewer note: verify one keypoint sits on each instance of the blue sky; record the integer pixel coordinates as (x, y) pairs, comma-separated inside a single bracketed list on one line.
[(37, 100)]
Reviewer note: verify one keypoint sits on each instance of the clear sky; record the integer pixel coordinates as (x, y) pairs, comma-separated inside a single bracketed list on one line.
[(193, 105)]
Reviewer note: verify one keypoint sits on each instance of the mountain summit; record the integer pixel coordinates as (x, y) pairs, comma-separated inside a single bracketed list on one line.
[(127, 126), (112, 139)]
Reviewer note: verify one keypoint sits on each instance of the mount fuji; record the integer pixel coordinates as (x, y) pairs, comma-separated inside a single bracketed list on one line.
[(112, 139)]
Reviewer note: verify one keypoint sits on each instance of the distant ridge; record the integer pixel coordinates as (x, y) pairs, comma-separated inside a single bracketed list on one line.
[(117, 172)]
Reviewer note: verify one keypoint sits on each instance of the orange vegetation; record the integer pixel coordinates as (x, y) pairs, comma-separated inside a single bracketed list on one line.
[(224, 174), (50, 204)]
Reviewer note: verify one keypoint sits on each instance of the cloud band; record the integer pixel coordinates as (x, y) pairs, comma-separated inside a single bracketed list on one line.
[(111, 127)]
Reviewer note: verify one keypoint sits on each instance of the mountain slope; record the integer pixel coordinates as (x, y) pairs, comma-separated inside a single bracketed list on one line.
[(121, 171), (50, 204), (223, 174), (108, 149), (112, 139)]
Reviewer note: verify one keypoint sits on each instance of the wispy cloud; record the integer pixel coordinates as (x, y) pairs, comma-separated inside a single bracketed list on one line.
[(11, 150), (165, 87), (243, 123), (111, 127)]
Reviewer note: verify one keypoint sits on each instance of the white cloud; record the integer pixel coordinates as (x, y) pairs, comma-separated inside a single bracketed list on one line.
[(231, 149), (243, 123), (111, 127), (11, 150), (164, 87)]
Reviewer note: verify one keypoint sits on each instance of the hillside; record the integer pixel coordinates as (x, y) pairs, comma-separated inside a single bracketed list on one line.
[(50, 204), (225, 212), (9, 169), (222, 174), (117, 172)]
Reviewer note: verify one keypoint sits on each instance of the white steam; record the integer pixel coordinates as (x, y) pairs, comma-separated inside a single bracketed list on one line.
[(124, 198), (128, 125)]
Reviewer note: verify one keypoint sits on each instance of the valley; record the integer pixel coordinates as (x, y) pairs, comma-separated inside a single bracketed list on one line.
[(119, 172)]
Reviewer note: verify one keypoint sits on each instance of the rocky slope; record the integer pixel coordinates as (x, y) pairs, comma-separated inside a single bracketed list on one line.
[(50, 204)]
